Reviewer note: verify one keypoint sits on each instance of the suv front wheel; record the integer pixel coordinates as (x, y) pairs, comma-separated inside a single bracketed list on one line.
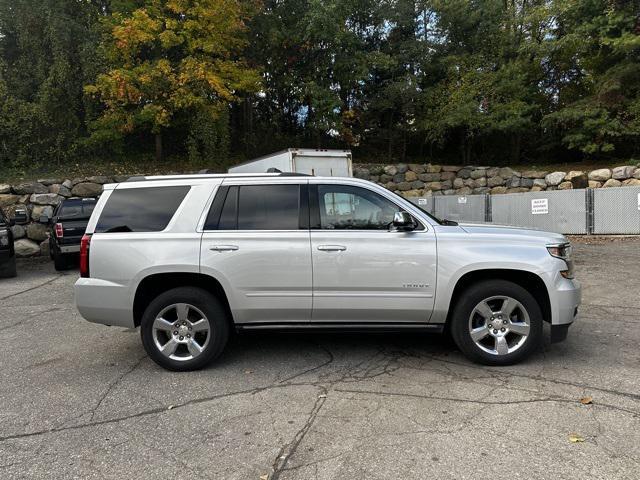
[(497, 322), (184, 329)]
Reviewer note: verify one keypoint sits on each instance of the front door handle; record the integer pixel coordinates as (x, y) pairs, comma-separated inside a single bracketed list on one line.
[(223, 248), (332, 248)]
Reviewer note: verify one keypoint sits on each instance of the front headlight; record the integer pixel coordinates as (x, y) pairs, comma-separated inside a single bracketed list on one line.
[(564, 252)]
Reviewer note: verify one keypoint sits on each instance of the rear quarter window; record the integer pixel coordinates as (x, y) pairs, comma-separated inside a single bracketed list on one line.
[(140, 209)]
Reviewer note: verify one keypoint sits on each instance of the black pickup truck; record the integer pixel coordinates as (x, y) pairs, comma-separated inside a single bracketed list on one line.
[(7, 251), (67, 226)]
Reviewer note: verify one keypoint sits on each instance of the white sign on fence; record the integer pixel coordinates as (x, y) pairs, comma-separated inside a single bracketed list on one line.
[(422, 201), (639, 201), (464, 199), (540, 206)]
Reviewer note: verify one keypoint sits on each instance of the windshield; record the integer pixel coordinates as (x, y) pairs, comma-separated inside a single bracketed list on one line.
[(77, 210)]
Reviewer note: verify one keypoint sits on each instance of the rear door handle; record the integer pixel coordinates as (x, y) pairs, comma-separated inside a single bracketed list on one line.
[(223, 248), (332, 248)]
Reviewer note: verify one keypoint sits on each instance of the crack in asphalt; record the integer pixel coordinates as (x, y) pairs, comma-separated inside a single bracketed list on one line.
[(634, 396), (114, 385), (287, 451), (34, 288), (313, 369), (152, 411), (556, 399)]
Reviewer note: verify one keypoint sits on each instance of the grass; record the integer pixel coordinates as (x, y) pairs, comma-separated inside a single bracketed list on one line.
[(142, 165), (147, 165)]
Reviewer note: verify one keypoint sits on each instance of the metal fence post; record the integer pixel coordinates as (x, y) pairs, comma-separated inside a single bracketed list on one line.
[(589, 210), (488, 217)]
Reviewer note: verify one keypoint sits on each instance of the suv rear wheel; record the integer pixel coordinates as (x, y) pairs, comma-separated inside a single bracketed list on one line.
[(497, 322), (184, 329)]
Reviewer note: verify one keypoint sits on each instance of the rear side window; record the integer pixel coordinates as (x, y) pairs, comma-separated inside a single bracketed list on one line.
[(140, 209), (256, 207)]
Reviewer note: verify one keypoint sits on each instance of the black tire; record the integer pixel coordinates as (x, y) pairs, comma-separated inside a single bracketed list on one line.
[(475, 294), (9, 271), (60, 261), (214, 312)]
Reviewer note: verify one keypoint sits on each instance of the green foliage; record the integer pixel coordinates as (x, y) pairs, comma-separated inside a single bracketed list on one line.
[(171, 58), (460, 80)]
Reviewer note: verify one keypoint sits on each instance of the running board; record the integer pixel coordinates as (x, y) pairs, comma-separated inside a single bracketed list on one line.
[(342, 327)]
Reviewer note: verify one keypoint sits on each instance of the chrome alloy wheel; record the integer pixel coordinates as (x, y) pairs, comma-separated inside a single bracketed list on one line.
[(499, 325), (181, 332)]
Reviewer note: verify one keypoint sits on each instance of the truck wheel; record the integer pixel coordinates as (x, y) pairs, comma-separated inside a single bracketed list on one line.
[(497, 322), (60, 262), (10, 270), (184, 329)]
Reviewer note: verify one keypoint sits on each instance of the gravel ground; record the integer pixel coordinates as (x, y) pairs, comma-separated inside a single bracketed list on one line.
[(83, 401)]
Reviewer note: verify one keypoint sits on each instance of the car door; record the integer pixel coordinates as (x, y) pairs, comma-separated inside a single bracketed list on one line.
[(363, 271), (256, 242)]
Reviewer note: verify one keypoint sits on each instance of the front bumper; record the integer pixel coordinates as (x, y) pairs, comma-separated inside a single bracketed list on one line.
[(565, 300)]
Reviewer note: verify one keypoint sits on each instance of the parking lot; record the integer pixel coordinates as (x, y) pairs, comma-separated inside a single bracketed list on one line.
[(84, 401)]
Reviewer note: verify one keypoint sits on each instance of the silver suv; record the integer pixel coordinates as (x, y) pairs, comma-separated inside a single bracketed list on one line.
[(189, 259)]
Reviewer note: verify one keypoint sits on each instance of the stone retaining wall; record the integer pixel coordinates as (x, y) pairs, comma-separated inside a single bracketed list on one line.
[(418, 180), (40, 197)]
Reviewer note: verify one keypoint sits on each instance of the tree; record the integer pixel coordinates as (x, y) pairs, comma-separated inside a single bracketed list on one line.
[(171, 58), (598, 111), (46, 48)]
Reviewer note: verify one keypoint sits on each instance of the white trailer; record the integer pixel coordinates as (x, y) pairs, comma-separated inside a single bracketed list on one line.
[(326, 163)]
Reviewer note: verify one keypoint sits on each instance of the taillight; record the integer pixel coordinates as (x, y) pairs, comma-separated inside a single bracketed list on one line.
[(84, 255), (59, 231)]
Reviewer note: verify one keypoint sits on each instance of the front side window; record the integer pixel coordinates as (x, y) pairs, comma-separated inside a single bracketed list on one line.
[(343, 207), (140, 209), (255, 207)]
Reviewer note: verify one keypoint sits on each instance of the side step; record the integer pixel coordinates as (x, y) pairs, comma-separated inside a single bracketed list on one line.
[(342, 327)]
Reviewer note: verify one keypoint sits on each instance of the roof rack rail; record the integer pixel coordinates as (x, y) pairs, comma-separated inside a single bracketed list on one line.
[(142, 178)]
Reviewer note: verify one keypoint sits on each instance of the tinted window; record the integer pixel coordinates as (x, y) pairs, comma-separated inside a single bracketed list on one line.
[(268, 207), (256, 207), (140, 209), (76, 209), (229, 216), (345, 207)]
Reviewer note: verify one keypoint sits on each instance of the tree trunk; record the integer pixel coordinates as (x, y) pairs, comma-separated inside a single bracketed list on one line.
[(158, 147), (516, 141)]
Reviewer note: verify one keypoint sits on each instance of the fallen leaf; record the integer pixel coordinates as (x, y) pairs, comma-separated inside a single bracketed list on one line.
[(264, 477), (322, 396), (169, 407), (586, 400), (575, 438), (248, 371)]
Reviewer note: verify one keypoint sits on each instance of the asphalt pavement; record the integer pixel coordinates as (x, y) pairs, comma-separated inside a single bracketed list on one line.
[(84, 401)]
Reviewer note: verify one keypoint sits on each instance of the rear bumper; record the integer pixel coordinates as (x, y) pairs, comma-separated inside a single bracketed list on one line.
[(100, 301), (69, 248)]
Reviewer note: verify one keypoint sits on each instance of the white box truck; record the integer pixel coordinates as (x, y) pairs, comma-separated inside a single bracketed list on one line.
[(326, 163)]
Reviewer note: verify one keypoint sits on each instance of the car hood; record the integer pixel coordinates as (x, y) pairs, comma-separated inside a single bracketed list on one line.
[(513, 232)]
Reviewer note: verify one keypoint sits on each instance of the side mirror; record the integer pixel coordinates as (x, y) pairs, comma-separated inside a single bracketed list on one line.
[(403, 222), (20, 217)]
